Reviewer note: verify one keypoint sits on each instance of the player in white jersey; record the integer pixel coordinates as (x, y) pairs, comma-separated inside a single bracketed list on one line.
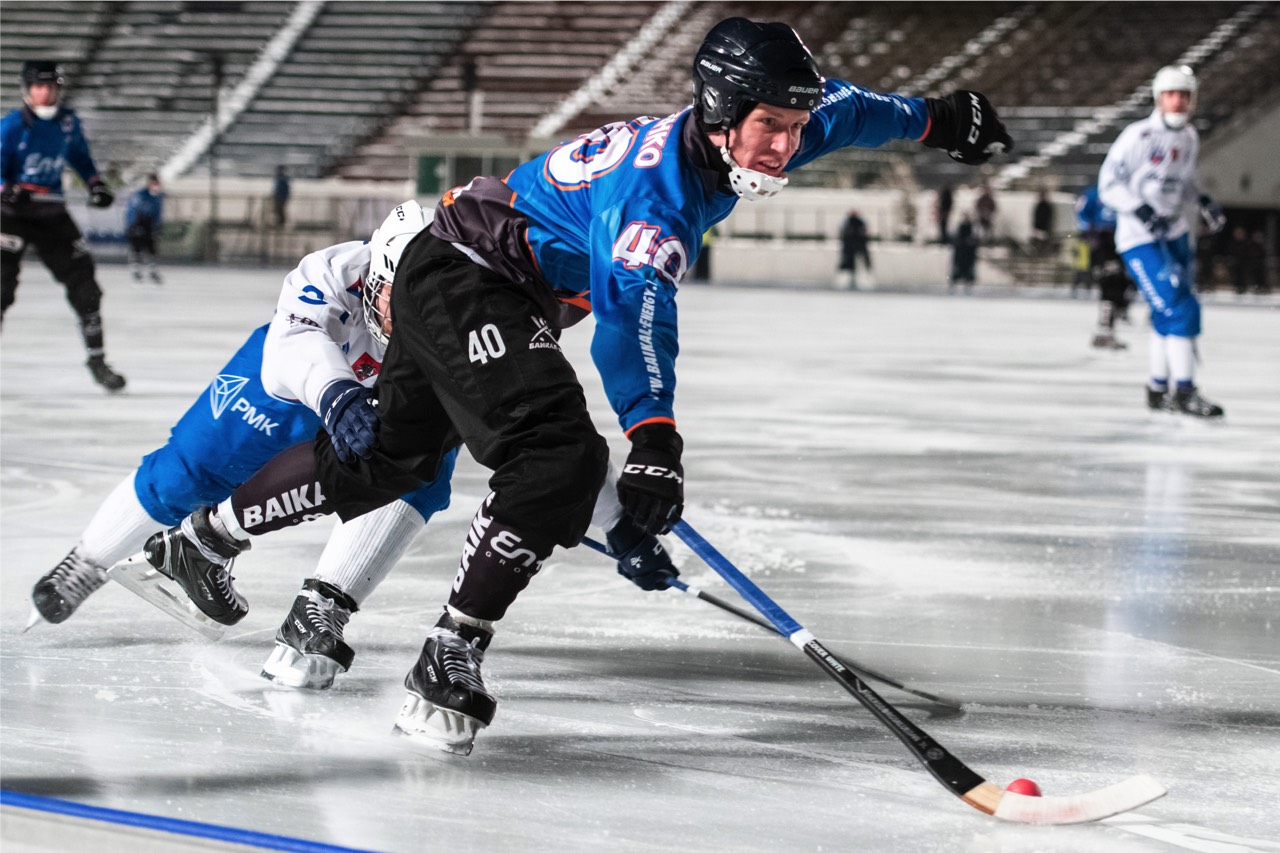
[(1149, 179)]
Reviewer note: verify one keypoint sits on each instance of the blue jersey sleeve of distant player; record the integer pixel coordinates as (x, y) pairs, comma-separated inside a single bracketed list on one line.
[(10, 135), (640, 250), (851, 115), (78, 152)]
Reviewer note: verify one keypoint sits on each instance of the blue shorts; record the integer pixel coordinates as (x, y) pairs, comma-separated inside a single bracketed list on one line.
[(1163, 271), (230, 432)]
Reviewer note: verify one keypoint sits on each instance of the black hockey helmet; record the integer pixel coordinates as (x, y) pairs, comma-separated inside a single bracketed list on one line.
[(41, 71), (742, 63)]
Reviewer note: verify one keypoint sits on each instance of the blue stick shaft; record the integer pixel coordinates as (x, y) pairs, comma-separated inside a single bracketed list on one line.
[(780, 619)]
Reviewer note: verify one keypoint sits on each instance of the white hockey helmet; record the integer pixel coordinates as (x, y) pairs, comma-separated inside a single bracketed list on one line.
[(385, 248), (1174, 78)]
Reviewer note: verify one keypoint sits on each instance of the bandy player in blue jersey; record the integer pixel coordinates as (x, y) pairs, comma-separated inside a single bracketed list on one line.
[(606, 224)]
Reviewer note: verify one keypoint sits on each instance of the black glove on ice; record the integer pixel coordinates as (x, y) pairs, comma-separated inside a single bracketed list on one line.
[(641, 557), (651, 487), (351, 420), (967, 126)]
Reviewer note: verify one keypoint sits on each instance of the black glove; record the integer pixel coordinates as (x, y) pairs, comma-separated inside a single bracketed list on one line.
[(351, 420), (15, 195), (967, 126), (641, 557), (1157, 225), (651, 487), (1211, 212), (99, 195)]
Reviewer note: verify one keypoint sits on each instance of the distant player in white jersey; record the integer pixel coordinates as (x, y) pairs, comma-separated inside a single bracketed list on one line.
[(1149, 179)]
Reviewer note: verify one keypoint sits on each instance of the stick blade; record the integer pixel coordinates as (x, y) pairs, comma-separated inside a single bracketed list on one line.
[(1132, 793)]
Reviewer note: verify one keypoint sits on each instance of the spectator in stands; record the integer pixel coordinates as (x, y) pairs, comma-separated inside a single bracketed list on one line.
[(606, 224), (985, 211), (142, 221), (1042, 224), (964, 256), (37, 141), (280, 195), (1149, 178), (853, 245), (942, 204)]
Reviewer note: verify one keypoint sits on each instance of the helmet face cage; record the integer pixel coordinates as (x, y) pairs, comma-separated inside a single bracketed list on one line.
[(374, 319), (385, 247), (742, 63)]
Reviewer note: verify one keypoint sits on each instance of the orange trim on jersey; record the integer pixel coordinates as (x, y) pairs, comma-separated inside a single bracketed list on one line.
[(671, 421), (582, 300), (928, 123)]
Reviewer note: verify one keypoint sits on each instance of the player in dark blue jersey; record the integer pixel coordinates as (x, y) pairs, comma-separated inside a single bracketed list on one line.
[(37, 141), (606, 224), (1096, 224)]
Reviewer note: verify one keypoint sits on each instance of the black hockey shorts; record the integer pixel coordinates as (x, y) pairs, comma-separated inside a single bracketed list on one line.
[(1108, 271), (472, 359), (51, 230)]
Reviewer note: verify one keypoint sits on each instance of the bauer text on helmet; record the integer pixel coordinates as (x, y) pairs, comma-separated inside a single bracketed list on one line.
[(764, 72)]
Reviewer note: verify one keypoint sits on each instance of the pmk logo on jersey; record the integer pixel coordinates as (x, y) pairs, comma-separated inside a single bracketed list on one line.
[(365, 366), (225, 391), (544, 337), (640, 246)]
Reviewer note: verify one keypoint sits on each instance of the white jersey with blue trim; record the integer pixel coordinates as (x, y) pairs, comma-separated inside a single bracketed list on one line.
[(318, 334), (616, 218), (1150, 163)]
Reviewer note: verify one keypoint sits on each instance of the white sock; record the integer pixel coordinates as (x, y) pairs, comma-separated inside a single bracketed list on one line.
[(1182, 358), (361, 553), (119, 528), (1158, 358)]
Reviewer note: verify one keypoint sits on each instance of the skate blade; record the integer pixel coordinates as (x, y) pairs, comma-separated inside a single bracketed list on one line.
[(436, 727), (287, 667), (139, 577), (33, 620)]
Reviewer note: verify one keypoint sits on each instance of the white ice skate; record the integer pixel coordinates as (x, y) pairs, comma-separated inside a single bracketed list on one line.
[(439, 728), (143, 580)]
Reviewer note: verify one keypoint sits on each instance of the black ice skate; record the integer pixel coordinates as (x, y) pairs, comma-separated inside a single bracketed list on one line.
[(448, 702), (309, 649), (103, 374), (1106, 340), (57, 595), (1159, 400), (186, 572), (1189, 402)]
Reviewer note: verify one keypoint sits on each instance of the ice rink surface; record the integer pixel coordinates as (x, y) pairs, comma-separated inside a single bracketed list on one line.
[(954, 490)]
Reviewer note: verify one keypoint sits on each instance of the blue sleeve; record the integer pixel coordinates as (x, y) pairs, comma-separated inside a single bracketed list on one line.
[(78, 154), (10, 134), (131, 213), (640, 252), (850, 115), (159, 219)]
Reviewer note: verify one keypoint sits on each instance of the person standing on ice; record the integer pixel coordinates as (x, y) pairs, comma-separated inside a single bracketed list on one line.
[(37, 142), (607, 223), (325, 343), (1148, 178)]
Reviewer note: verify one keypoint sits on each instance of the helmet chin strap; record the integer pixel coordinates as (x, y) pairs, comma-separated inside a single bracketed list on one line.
[(1174, 121), (748, 183), (45, 112)]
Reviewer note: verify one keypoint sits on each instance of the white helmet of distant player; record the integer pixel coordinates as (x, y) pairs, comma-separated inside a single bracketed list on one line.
[(1175, 78), (385, 248)]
